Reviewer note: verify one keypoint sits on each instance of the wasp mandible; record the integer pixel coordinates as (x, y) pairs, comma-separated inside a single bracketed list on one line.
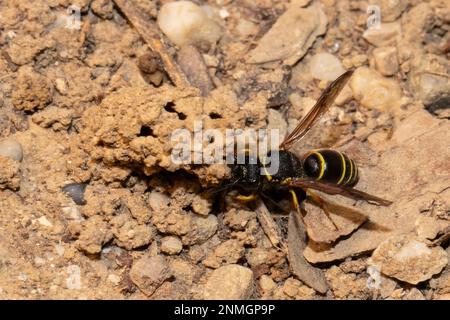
[(325, 170)]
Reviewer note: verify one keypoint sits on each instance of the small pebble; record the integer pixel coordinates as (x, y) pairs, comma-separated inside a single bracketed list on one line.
[(387, 34), (374, 91), (228, 252), (76, 192), (202, 228), (407, 258), (230, 282), (386, 60), (184, 23), (22, 277), (246, 28), (266, 284), (61, 86), (11, 148), (73, 280), (45, 222), (171, 245), (114, 279), (59, 249), (325, 66), (149, 273), (429, 81), (223, 13)]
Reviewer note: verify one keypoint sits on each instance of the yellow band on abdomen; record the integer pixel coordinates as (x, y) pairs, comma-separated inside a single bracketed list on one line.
[(322, 164), (343, 168), (351, 172)]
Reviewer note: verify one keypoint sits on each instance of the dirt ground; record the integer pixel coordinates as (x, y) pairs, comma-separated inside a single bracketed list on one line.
[(92, 207)]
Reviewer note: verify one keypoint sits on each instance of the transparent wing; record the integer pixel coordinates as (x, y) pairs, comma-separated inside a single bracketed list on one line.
[(337, 189), (322, 105)]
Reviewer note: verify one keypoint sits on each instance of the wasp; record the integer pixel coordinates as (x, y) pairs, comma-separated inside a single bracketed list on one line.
[(325, 170)]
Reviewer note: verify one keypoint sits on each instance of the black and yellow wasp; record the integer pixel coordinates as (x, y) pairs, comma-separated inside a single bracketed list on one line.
[(326, 170)]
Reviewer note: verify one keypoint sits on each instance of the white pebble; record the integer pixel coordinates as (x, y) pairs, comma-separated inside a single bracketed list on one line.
[(184, 23), (114, 279), (22, 277), (59, 249), (61, 86), (45, 222), (39, 260), (11, 148), (73, 281), (325, 66), (224, 13)]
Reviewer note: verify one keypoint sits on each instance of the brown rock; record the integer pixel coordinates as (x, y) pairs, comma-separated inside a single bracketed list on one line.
[(171, 245), (353, 266), (238, 219), (291, 36), (294, 289), (200, 229), (409, 259), (388, 34), (32, 91), (56, 118), (321, 229), (428, 228), (227, 252), (414, 294), (385, 286), (347, 285), (231, 282), (149, 273), (442, 283), (373, 91), (201, 204), (429, 81), (9, 173), (167, 219), (130, 234), (386, 60), (266, 284), (23, 49), (103, 8), (94, 233), (260, 256)]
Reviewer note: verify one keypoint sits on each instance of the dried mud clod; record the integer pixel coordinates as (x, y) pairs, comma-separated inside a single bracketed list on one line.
[(92, 205), (133, 127)]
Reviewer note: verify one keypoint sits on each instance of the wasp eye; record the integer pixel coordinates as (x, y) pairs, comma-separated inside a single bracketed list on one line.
[(311, 166)]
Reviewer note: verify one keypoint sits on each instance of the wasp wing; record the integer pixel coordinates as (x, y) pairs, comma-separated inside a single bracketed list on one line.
[(337, 189), (322, 105)]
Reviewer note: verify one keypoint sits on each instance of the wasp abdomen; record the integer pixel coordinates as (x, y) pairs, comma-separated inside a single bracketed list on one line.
[(331, 166)]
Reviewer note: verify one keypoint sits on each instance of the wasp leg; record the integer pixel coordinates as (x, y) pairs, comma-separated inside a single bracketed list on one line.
[(276, 204), (243, 198), (322, 204), (296, 204)]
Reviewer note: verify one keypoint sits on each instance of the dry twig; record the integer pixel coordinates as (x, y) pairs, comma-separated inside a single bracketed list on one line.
[(312, 276), (269, 226)]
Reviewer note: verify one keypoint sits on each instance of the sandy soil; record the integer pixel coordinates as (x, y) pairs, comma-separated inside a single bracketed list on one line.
[(92, 207)]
